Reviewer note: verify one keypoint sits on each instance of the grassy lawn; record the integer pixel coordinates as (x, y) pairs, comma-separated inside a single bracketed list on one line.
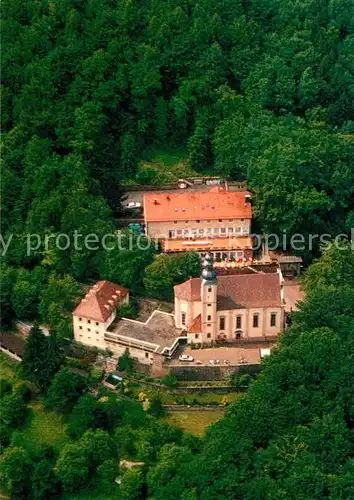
[(168, 397), (194, 422), (8, 368), (45, 428), (167, 156)]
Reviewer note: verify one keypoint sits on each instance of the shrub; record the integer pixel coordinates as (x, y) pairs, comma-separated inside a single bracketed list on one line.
[(170, 380), (5, 387), (240, 382), (155, 407), (96, 375), (24, 391), (128, 311), (125, 362)]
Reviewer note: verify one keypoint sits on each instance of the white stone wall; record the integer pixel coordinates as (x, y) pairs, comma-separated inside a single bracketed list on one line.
[(89, 332)]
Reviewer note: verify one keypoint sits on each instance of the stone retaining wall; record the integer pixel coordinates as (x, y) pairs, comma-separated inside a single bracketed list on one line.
[(211, 372)]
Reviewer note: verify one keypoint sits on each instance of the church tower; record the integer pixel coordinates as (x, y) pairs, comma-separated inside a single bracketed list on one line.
[(208, 294)]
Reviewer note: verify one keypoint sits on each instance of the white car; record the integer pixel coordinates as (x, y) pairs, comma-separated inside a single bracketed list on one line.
[(133, 204), (185, 357)]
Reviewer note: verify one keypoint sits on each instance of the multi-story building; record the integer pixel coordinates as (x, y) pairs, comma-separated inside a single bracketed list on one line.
[(96, 312), (217, 221), (247, 307), (96, 325)]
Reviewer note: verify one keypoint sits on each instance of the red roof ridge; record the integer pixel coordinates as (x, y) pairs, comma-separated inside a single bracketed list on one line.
[(101, 300)]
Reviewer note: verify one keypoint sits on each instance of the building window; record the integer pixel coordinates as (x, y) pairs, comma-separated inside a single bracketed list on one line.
[(238, 336), (231, 220), (183, 318), (89, 329), (96, 323), (222, 323), (223, 230), (146, 355), (238, 322), (209, 221), (198, 221), (208, 325), (230, 230), (208, 335), (209, 289), (97, 332), (255, 321), (80, 327), (196, 335), (273, 319), (80, 335), (220, 220), (89, 321), (80, 319), (209, 317), (209, 305), (186, 221), (179, 232)]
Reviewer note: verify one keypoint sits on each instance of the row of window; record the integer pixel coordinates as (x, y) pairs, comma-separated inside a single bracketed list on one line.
[(89, 321), (222, 320), (89, 329), (255, 321), (227, 255), (216, 231), (209, 221)]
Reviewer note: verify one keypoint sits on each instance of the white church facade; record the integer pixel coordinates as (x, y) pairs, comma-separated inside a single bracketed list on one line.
[(240, 307)]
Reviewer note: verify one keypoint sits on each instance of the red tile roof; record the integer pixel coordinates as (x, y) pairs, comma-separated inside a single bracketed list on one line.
[(293, 294), (219, 204), (100, 301), (196, 325), (189, 290), (237, 291)]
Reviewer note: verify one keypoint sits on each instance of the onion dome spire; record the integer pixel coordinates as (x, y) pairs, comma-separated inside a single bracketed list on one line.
[(208, 271)]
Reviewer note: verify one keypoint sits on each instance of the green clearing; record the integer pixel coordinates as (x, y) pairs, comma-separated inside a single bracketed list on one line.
[(194, 422), (167, 156), (169, 397), (45, 428), (163, 166), (8, 368)]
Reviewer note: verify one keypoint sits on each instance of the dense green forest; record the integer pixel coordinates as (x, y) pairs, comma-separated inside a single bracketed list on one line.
[(261, 90), (290, 436)]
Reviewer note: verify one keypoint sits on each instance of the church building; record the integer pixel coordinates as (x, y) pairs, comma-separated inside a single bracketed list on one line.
[(240, 307)]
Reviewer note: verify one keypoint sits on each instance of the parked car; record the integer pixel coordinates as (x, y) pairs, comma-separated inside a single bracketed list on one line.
[(185, 357), (133, 204)]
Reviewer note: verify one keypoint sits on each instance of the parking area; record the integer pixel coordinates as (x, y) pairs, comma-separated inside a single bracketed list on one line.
[(245, 355)]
